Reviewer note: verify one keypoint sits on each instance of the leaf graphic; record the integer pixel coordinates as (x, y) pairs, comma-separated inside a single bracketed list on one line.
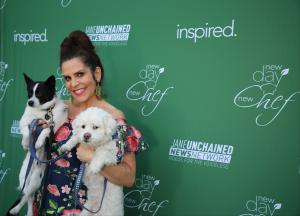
[(53, 204), (284, 72), (277, 206), (50, 212), (161, 70), (60, 209), (156, 182), (57, 171)]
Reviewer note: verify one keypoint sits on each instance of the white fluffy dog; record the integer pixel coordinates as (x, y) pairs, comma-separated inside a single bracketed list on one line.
[(95, 127), (41, 101)]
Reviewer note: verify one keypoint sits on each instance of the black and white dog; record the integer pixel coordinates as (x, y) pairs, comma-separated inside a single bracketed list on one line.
[(42, 104)]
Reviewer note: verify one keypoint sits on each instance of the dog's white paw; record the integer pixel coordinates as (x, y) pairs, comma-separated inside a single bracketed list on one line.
[(25, 147), (25, 144), (13, 211), (39, 144)]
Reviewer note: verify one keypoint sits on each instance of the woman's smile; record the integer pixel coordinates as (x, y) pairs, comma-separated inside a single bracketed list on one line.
[(79, 92)]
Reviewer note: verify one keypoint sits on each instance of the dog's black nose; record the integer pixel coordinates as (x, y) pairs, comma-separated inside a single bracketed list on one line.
[(30, 103), (87, 136)]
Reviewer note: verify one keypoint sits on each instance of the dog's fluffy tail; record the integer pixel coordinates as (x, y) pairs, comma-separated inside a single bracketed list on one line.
[(15, 203)]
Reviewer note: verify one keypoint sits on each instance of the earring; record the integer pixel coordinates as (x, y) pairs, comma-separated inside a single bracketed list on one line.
[(99, 91)]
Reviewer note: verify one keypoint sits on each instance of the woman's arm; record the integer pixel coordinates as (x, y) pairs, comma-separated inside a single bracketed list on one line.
[(121, 174)]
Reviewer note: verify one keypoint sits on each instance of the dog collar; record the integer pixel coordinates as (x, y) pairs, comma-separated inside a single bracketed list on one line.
[(49, 116)]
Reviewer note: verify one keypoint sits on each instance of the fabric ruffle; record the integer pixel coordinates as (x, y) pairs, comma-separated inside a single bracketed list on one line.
[(129, 139)]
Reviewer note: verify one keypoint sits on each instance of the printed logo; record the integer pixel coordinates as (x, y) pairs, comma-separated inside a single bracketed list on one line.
[(141, 197), (3, 171), (2, 4), (201, 153), (147, 90), (61, 89), (261, 206), (206, 31), (3, 83), (30, 37), (109, 35), (65, 3), (15, 129), (265, 95)]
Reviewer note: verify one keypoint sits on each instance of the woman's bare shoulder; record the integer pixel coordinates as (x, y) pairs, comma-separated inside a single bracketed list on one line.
[(115, 112)]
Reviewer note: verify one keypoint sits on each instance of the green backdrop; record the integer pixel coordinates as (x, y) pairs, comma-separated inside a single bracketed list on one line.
[(212, 85)]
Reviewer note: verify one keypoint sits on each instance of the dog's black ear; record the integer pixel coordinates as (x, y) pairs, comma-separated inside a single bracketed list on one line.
[(51, 81), (28, 80)]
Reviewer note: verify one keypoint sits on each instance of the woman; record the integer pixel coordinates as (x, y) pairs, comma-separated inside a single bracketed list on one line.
[(83, 74)]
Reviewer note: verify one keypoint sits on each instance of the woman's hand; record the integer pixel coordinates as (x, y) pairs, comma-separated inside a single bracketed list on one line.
[(85, 153), (42, 123), (120, 174)]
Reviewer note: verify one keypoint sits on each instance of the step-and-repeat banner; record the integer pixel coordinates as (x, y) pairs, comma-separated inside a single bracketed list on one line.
[(214, 86)]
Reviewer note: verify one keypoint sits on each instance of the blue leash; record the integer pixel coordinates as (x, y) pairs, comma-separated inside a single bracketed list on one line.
[(30, 162), (31, 141), (35, 131), (33, 128), (77, 187)]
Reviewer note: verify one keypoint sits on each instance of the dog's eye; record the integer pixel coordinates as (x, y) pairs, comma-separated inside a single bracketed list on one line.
[(38, 93), (83, 126), (95, 127)]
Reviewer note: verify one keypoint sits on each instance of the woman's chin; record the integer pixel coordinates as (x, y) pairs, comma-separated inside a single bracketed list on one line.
[(81, 99), (78, 100)]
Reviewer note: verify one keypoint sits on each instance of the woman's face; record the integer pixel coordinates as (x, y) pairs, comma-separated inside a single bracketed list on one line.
[(79, 80)]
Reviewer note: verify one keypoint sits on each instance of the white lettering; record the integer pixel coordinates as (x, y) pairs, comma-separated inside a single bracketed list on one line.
[(206, 32), (30, 37)]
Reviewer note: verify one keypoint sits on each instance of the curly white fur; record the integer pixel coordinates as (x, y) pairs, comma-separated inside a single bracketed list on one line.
[(95, 127)]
